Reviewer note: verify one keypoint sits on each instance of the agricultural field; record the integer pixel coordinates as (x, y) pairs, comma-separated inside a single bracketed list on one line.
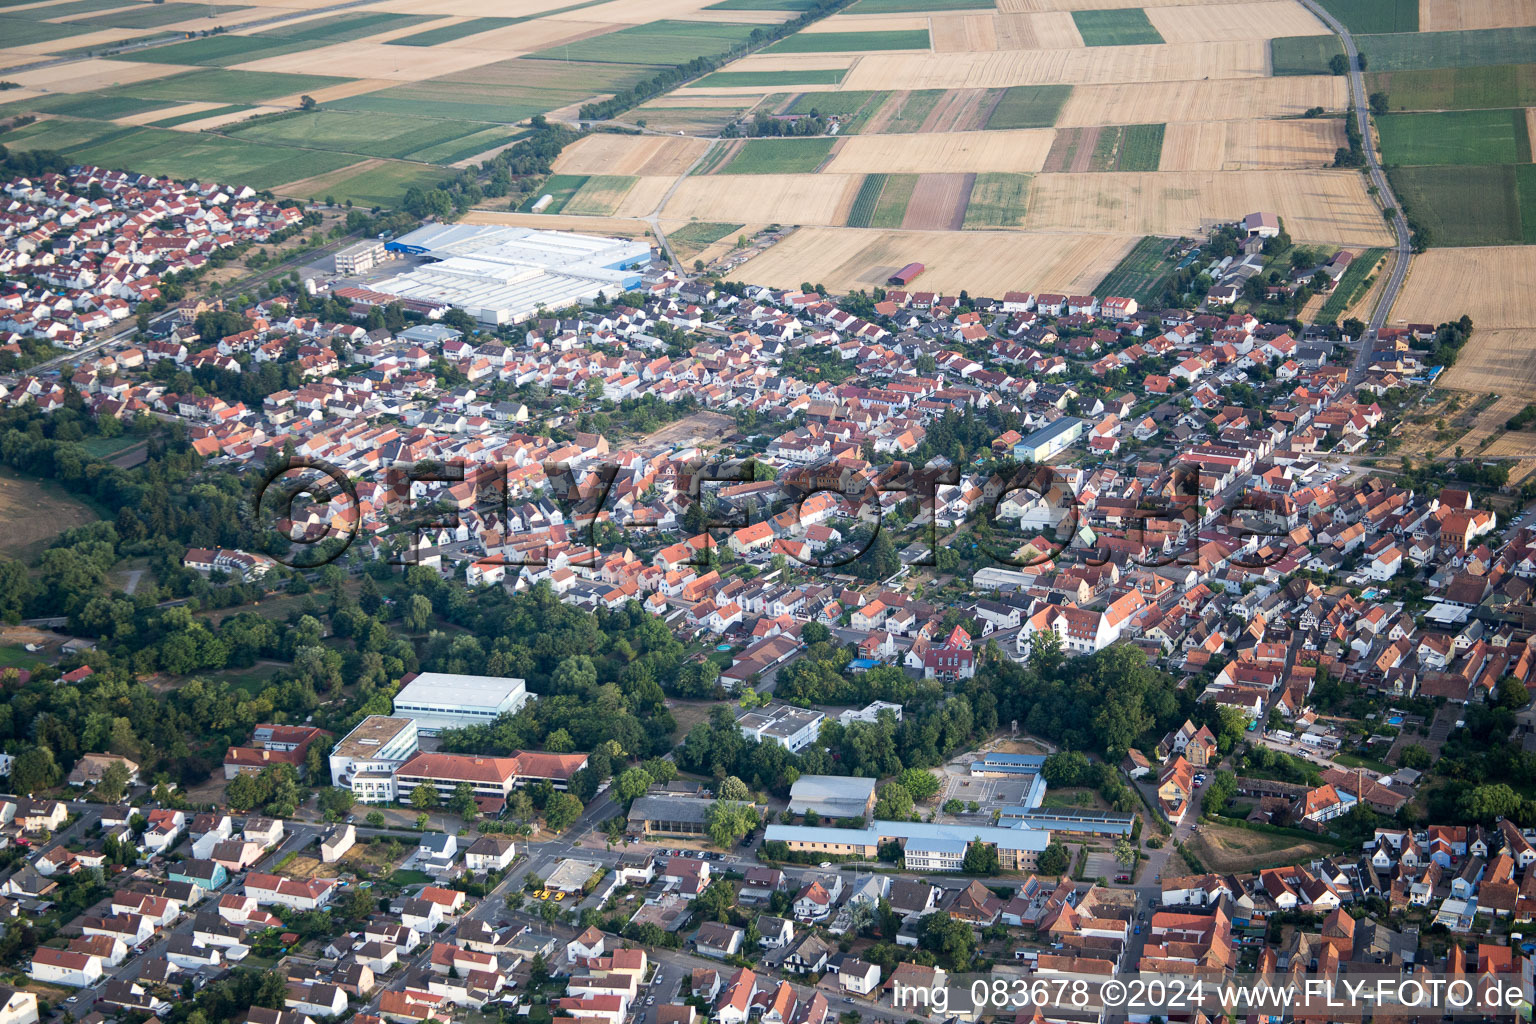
[(890, 209), (863, 209), (815, 199), (370, 183), (1126, 26), (641, 155), (657, 43), (852, 42), (1362, 17), (1462, 205), (904, 112), (760, 5), (1450, 15), (916, 6), (185, 155), (745, 79), (1410, 51), (225, 86), (451, 33), (1474, 88), (997, 201), (1204, 101), (1215, 22), (1251, 145), (1131, 147), (693, 238), (500, 93), (601, 195), (1142, 273), (63, 136), (779, 156), (1029, 106), (1490, 284), (1458, 137), (201, 114), (561, 186), (1303, 55), (938, 202), (366, 134), (1350, 285), (1525, 188), (951, 151)]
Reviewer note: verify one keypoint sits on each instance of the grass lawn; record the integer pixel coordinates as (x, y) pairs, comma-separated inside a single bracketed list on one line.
[(1361, 16), (251, 680), (561, 186), (1123, 26), (779, 156), (409, 876), (1349, 285), (918, 6), (448, 33), (660, 42), (1029, 106), (809, 76), (18, 658), (852, 42), (1466, 205), (1474, 88), (998, 200), (1303, 55), (1404, 51), (364, 133), (1140, 273), (1455, 137), (222, 86), (106, 447), (1525, 177), (1349, 760)]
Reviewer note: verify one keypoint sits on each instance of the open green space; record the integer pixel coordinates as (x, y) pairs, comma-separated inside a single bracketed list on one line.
[(1462, 205), (1303, 55), (831, 104), (409, 876), (561, 186), (368, 134), (454, 150), (809, 76), (660, 42), (215, 51), (1348, 289), (891, 209), (62, 136), (852, 42), (100, 106), (1455, 137), (342, 28), (1494, 85), (1029, 106), (1121, 26), (1129, 147), (918, 6), (1140, 273), (998, 200), (1362, 16), (19, 659), (1525, 186), (448, 33), (147, 15), (779, 156), (196, 155), (913, 111), (199, 115), (380, 185), (21, 32), (863, 208), (696, 236), (1403, 51), (225, 86), (500, 93), (52, 12)]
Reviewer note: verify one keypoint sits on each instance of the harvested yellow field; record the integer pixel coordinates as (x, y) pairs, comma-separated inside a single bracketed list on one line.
[(377, 60), (91, 75), (1173, 62), (414, 28), (1530, 122), (221, 120), (988, 262), (769, 198), (1050, 30), (631, 154), (1215, 22), (1317, 206), (146, 116), (102, 38), (620, 226), (1250, 145), (532, 35), (1446, 15), (335, 92), (1152, 102), (645, 197), (600, 196), (964, 33), (1022, 150), (1491, 284)]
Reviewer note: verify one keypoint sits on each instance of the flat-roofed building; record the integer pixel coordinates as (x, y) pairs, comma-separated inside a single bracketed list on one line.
[(791, 728), (361, 257), (492, 778), (832, 796), (1017, 848), (366, 758), (441, 700)]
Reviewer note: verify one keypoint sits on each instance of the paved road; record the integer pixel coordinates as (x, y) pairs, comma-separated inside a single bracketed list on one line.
[(1404, 249)]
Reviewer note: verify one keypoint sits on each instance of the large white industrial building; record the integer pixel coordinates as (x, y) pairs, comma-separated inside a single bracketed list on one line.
[(440, 700), (505, 275)]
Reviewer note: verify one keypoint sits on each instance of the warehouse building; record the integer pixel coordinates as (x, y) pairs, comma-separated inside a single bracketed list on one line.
[(832, 796), (1051, 439), (439, 700), (505, 275), (932, 846)]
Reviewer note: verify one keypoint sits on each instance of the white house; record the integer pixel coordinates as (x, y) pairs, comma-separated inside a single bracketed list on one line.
[(61, 967)]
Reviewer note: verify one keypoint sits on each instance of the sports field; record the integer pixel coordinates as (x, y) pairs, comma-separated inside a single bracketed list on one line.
[(1456, 137), (1126, 26), (1495, 85), (779, 156), (1141, 274)]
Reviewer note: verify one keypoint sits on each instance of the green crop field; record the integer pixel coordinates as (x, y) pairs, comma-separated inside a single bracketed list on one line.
[(1466, 205), (196, 155), (1474, 88), (466, 146), (853, 42), (98, 106), (1123, 26), (1456, 137), (56, 11), (779, 156), (660, 42), (366, 134), (342, 28), (1525, 186), (1361, 16), (810, 76), (1303, 55), (1141, 273), (1349, 286), (998, 200), (918, 6), (61, 136), (146, 15), (863, 209), (561, 186), (1029, 106), (891, 209), (500, 93), (1130, 147), (601, 195), (226, 86), (449, 33), (215, 51), (1470, 48), (381, 185), (696, 236), (198, 115), (914, 110), (833, 104), (761, 5), (20, 32)]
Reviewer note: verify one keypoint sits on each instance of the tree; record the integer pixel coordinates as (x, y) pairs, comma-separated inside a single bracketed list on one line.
[(1380, 104), (561, 811), (462, 802), (1512, 694), (894, 803), (633, 782), (375, 819), (114, 782), (1125, 854), (424, 797), (422, 821), (732, 788), (1414, 756), (307, 102), (981, 858), (879, 560), (335, 802), (34, 770), (1054, 859), (418, 612), (920, 782), (1338, 64), (729, 820)]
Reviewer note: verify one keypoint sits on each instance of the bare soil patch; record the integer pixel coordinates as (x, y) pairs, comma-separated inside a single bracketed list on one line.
[(33, 512), (938, 202), (1224, 848), (961, 110), (1072, 150)]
